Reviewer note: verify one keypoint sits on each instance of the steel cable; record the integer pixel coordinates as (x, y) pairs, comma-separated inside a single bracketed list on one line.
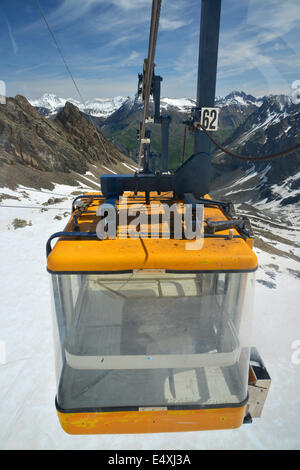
[(282, 153), (71, 75)]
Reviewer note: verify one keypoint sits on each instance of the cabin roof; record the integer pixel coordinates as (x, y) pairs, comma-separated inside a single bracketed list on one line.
[(225, 252)]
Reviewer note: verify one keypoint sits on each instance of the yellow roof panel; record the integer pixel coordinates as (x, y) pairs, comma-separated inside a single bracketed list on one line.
[(125, 254)]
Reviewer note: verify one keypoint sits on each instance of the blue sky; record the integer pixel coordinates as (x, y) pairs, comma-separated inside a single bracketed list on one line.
[(105, 43)]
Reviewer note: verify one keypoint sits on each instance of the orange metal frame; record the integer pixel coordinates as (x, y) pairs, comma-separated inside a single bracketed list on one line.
[(127, 422)]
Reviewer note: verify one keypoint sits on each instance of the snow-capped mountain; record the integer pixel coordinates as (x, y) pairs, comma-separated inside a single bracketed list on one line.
[(183, 105), (238, 98), (235, 98), (49, 105), (103, 107), (52, 102)]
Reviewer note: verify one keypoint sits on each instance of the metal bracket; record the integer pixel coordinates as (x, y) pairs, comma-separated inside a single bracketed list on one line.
[(259, 384), (85, 196), (227, 207), (242, 224)]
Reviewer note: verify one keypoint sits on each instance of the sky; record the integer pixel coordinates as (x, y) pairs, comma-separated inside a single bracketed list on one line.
[(105, 43)]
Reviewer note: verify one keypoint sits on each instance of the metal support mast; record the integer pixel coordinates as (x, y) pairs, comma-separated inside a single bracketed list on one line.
[(207, 66), (193, 176)]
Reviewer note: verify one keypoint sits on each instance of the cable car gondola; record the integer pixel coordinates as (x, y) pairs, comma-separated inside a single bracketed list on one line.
[(152, 335)]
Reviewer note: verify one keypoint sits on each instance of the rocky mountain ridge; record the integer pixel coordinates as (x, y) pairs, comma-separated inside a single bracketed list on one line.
[(40, 151)]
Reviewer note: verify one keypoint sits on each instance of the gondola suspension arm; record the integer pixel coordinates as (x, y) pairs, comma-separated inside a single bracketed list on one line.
[(148, 71)]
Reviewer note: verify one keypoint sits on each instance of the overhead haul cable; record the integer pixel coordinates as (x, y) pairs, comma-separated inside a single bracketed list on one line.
[(72, 77), (36, 207)]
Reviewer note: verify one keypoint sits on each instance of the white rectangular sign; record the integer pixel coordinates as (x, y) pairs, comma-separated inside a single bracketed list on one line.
[(209, 119)]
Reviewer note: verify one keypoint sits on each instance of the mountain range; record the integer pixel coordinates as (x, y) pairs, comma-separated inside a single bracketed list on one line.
[(49, 104), (119, 118), (66, 142), (120, 127)]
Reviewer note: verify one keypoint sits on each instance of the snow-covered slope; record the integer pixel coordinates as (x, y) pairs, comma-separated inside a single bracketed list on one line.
[(253, 187), (181, 104), (27, 377), (274, 109)]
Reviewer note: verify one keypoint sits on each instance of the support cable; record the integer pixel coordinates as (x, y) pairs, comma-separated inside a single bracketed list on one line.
[(36, 207), (282, 153), (72, 77)]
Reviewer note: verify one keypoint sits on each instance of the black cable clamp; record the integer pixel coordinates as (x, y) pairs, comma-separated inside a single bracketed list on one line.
[(243, 224)]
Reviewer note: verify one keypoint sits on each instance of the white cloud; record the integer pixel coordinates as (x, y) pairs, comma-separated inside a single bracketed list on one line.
[(89, 88), (263, 44), (171, 25), (131, 59), (265, 22), (132, 4), (12, 38)]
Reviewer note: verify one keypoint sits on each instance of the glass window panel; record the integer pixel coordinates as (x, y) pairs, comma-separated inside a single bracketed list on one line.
[(153, 339)]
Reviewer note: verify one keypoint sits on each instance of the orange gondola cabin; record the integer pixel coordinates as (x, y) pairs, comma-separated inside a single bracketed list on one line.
[(152, 317)]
